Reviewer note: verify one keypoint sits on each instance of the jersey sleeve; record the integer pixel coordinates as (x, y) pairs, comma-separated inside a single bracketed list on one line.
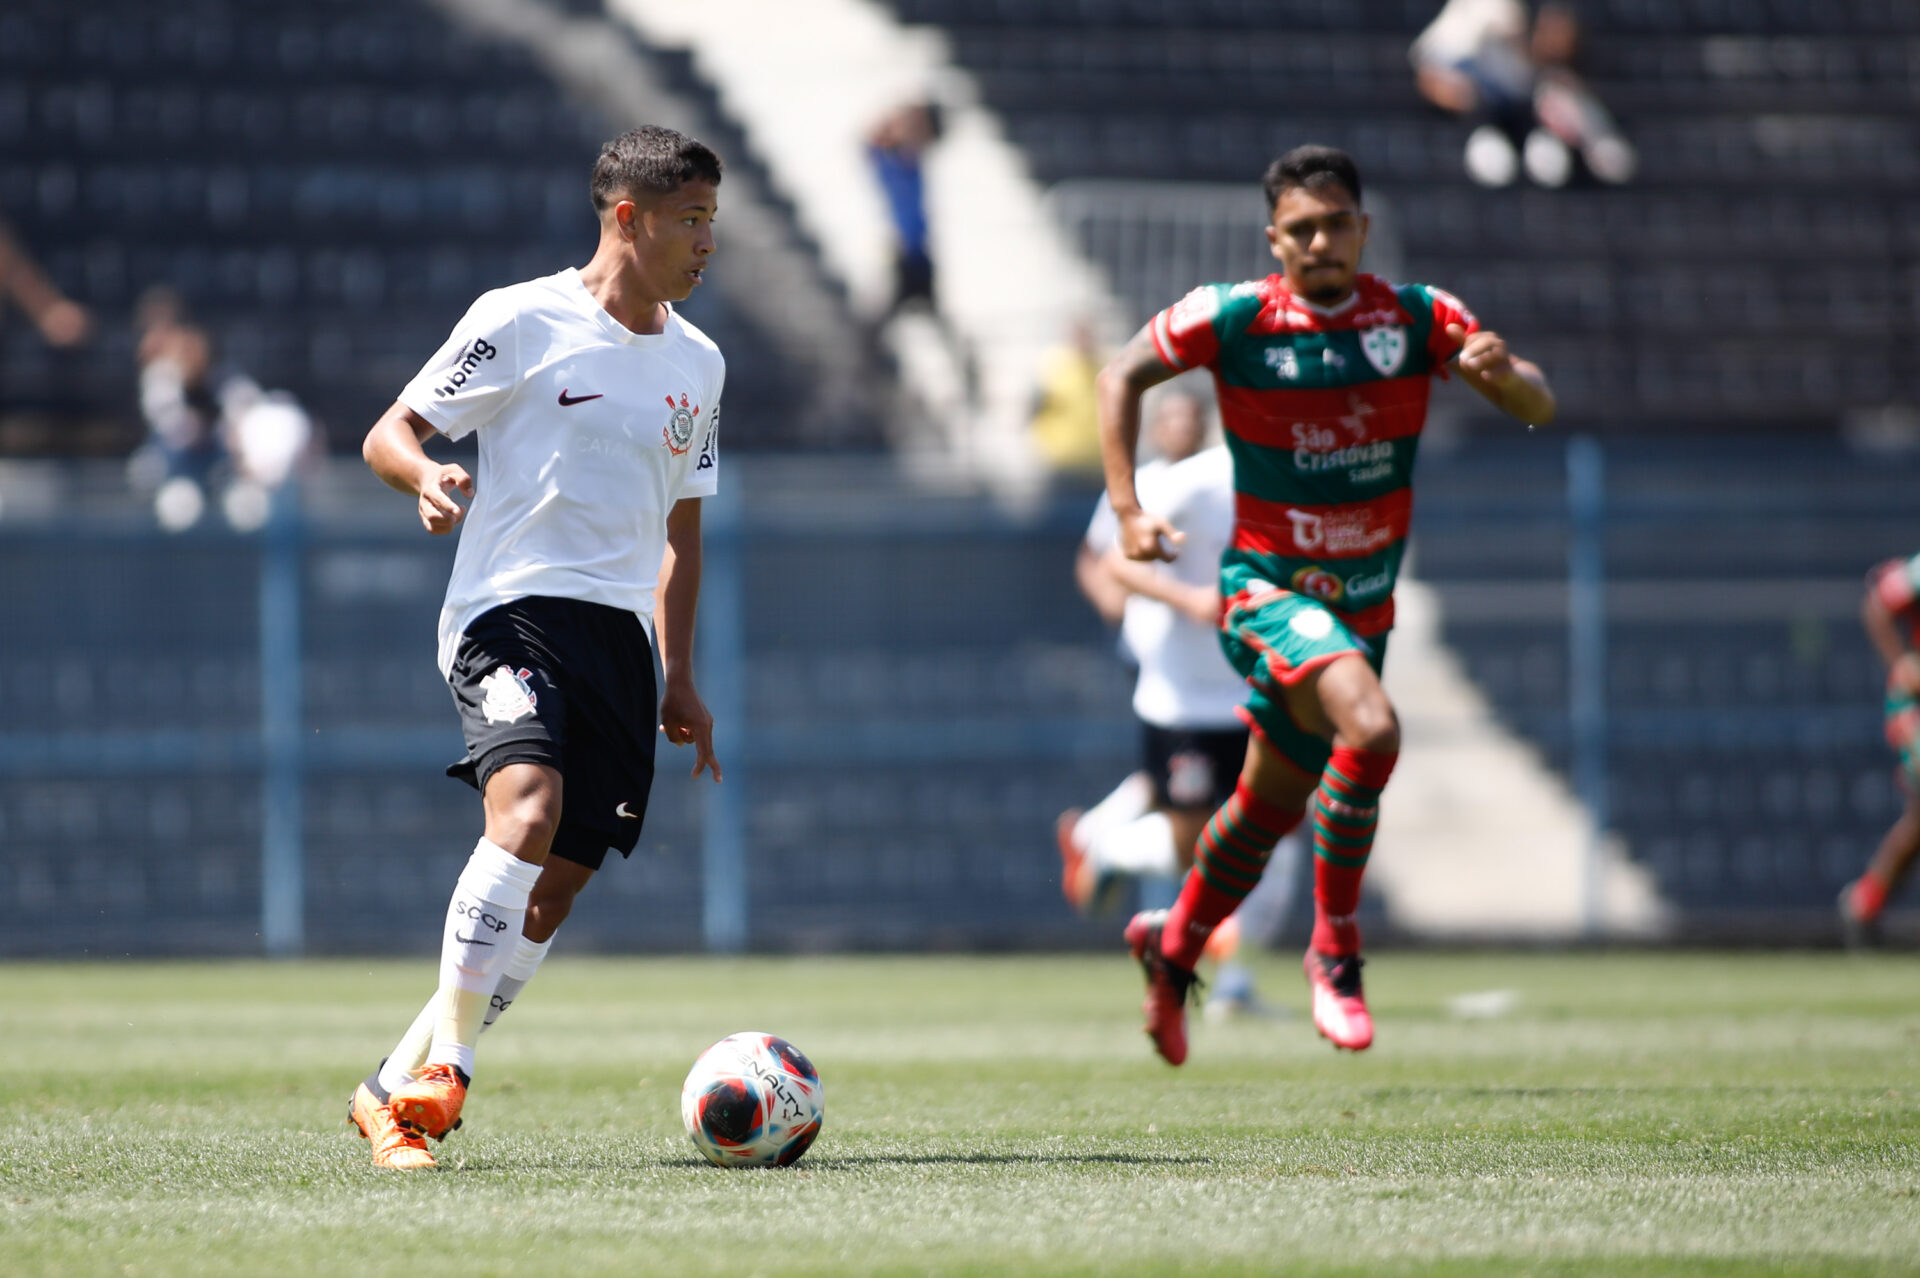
[(1446, 309), (703, 479), (1187, 334), (473, 374), (1896, 584)]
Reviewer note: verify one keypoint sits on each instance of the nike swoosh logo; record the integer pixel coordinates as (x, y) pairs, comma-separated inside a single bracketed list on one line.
[(568, 401), (470, 940), (621, 811)]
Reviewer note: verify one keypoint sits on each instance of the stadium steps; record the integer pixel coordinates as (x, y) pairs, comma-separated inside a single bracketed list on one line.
[(807, 84), (1720, 291)]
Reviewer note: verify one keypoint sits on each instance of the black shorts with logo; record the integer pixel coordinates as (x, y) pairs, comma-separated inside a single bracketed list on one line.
[(568, 684), (1193, 769)]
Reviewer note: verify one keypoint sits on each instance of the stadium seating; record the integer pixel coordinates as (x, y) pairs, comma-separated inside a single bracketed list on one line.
[(1746, 766), (329, 185), (1727, 288)]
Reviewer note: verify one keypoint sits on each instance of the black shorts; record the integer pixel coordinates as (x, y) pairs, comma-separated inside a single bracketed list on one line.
[(1193, 769), (568, 684)]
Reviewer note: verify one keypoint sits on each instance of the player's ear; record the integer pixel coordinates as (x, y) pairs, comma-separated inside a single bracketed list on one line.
[(1366, 227), (1273, 238), (626, 216)]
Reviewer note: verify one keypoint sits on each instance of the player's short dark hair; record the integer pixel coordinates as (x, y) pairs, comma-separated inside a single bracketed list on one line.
[(1311, 167), (650, 160)]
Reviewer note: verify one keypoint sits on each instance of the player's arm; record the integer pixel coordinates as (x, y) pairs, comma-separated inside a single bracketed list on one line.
[(1097, 582), (1118, 389), (1202, 603), (684, 718), (395, 449), (1513, 385), (1883, 630)]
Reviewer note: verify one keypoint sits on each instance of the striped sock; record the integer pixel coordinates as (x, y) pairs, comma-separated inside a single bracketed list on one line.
[(1345, 812), (1228, 861)]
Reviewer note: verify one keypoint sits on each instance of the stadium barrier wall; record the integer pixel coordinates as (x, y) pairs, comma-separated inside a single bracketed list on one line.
[(908, 689)]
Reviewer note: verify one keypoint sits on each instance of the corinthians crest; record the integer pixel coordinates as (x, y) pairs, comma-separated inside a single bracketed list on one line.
[(678, 434), (1385, 348), (509, 695)]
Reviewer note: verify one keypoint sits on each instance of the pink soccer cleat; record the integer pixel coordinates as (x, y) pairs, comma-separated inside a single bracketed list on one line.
[(1339, 1005)]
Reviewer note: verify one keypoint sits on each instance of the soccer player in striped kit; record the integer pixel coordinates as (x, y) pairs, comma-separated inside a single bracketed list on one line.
[(1323, 374)]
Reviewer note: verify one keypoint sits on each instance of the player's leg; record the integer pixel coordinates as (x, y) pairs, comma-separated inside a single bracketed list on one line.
[(484, 922), (1366, 742), (1158, 841), (547, 908), (1268, 800), (1075, 832), (1862, 900)]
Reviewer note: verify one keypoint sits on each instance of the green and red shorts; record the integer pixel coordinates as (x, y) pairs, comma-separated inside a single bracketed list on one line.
[(1275, 638), (1903, 734)]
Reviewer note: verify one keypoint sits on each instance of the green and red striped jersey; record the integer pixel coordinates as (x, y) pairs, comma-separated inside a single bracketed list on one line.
[(1323, 409)]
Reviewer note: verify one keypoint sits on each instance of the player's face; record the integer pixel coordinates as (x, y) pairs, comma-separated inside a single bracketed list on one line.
[(672, 238), (1178, 428), (1318, 233)]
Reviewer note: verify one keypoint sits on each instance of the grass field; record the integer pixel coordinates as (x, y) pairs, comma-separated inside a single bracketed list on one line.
[(1643, 1114)]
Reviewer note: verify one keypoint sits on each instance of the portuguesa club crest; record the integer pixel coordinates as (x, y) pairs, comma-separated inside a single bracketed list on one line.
[(1385, 348), (678, 435)]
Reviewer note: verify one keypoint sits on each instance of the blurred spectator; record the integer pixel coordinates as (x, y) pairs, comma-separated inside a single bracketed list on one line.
[(1568, 111), (207, 425), (896, 150), (1479, 59), (61, 321), (1066, 420)]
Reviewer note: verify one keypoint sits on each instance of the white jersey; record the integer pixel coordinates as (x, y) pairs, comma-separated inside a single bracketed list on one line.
[(1185, 680), (589, 433)]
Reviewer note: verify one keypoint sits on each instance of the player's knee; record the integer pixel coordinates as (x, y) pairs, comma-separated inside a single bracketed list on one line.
[(523, 807), (1372, 726)]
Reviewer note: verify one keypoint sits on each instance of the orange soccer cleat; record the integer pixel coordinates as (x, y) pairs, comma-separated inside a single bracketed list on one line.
[(430, 1104), (393, 1145), (1339, 1004)]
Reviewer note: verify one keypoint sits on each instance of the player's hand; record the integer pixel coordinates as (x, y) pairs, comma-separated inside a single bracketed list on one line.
[(1145, 536), (439, 511), (686, 721), (1484, 357)]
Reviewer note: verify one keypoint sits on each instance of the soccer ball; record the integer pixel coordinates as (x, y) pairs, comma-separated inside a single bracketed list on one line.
[(752, 1100)]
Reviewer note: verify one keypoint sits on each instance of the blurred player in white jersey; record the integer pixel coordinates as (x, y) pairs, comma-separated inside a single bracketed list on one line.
[(1186, 696), (596, 407)]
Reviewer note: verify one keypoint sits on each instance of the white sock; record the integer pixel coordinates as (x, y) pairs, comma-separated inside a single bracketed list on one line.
[(1130, 800), (1141, 846), (410, 1053), (521, 965), (484, 918)]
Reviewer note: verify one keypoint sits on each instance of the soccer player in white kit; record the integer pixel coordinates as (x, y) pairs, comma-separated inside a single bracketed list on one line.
[(596, 408), (1187, 695)]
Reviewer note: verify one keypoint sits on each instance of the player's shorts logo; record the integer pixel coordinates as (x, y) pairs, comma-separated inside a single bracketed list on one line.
[(1385, 348), (678, 435), (1189, 779), (509, 696), (1318, 583), (1312, 623)]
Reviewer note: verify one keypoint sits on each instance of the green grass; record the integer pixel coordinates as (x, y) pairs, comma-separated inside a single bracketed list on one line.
[(1642, 1114)]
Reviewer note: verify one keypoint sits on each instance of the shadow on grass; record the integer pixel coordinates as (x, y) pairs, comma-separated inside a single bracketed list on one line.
[(612, 1162), (849, 1162)]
